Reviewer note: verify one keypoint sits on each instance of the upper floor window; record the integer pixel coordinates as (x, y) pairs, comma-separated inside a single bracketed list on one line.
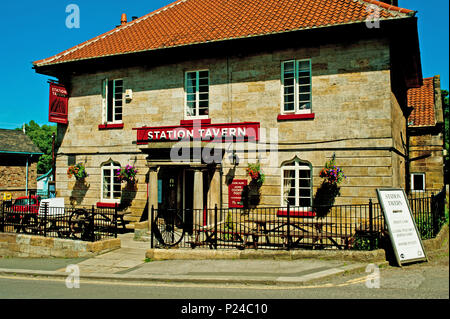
[(296, 185), (112, 101), (418, 181), (197, 94), (296, 82), (111, 184)]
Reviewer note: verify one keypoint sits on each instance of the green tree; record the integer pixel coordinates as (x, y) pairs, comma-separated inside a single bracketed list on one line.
[(42, 137)]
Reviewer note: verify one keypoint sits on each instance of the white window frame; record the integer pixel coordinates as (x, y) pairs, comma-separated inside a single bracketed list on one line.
[(106, 89), (297, 167), (111, 166), (297, 109), (412, 182), (197, 96)]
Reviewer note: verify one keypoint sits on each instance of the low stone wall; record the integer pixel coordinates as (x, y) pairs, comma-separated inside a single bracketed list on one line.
[(378, 255), (28, 246), (202, 254), (141, 231), (438, 241)]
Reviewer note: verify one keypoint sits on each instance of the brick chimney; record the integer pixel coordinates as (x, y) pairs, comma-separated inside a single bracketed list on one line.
[(123, 19)]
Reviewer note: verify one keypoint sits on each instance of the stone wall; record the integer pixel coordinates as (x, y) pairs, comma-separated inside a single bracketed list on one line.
[(13, 175), (27, 246), (356, 118), (432, 166)]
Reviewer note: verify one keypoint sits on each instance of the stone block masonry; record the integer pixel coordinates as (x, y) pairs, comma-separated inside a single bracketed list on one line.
[(27, 246), (355, 110)]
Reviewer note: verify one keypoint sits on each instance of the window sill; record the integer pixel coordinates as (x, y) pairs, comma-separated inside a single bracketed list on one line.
[(195, 121), (110, 126), (290, 117), (106, 205), (293, 213)]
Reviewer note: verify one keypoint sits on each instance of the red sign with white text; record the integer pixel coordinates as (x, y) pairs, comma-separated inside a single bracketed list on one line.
[(228, 132), (235, 190), (59, 100)]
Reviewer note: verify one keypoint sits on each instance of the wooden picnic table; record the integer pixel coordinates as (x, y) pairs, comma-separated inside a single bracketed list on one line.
[(234, 231), (295, 231)]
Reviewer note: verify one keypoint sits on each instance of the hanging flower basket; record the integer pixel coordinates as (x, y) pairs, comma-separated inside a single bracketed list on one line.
[(332, 174), (127, 174), (78, 170), (255, 172)]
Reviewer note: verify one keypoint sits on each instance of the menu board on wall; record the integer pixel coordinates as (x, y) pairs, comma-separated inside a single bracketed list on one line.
[(402, 228), (235, 190)]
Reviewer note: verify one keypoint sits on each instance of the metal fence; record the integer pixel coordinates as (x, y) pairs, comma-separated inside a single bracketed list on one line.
[(357, 227), (428, 208), (86, 224)]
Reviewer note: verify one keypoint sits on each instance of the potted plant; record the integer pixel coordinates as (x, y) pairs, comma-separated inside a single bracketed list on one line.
[(332, 174), (78, 170), (127, 174), (257, 180), (255, 172), (329, 190)]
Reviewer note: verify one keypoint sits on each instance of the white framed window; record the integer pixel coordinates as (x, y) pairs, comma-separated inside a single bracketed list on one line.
[(113, 101), (296, 185), (296, 87), (111, 184), (418, 182), (197, 94)]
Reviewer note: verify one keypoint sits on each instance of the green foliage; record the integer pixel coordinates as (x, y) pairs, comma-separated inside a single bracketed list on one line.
[(79, 171), (332, 173), (255, 172), (42, 137), (446, 219), (363, 242), (425, 227)]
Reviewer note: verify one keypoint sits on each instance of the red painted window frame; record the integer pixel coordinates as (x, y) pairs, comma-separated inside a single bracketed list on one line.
[(290, 117), (192, 122), (106, 205), (110, 126)]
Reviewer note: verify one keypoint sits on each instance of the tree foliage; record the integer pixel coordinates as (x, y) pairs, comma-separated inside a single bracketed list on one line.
[(42, 137)]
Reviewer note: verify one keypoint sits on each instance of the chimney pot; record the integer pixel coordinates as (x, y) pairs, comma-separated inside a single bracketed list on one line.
[(123, 20)]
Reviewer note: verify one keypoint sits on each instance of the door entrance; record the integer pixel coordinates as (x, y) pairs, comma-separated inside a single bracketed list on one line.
[(176, 192)]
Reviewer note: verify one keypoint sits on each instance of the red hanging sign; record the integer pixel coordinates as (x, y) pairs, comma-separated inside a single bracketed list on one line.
[(59, 101)]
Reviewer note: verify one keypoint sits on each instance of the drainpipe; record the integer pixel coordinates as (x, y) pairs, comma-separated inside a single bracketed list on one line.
[(220, 189)]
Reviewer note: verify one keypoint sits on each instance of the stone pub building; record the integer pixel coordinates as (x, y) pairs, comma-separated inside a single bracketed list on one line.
[(191, 93)]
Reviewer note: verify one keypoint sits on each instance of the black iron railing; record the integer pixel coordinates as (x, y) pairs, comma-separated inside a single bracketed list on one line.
[(86, 224), (357, 227)]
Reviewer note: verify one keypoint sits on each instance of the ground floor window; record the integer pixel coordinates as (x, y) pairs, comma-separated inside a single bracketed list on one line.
[(111, 184), (296, 186), (418, 181)]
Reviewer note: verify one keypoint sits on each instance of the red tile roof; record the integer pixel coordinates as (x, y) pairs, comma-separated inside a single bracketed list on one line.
[(187, 22), (422, 100)]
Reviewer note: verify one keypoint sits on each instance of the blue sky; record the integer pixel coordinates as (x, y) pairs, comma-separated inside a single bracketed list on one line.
[(34, 30)]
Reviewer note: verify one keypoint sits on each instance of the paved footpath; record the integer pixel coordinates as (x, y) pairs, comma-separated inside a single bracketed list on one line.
[(129, 264)]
